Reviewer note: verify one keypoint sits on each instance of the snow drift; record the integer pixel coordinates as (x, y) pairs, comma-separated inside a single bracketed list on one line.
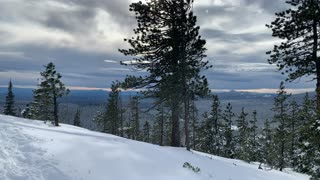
[(32, 150)]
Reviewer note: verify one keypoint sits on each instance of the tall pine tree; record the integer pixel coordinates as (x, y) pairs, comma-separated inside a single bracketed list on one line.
[(9, 103), (135, 117), (109, 120), (242, 148), (45, 104), (159, 125), (281, 140), (268, 148), (211, 130), (169, 47), (294, 126), (308, 155), (299, 30), (254, 144), (229, 145)]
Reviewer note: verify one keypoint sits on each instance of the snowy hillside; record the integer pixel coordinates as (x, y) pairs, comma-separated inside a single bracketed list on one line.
[(32, 150)]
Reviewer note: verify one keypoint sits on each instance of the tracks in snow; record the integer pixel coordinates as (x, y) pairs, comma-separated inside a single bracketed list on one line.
[(22, 159)]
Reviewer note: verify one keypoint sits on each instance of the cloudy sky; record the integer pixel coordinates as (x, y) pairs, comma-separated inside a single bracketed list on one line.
[(82, 38)]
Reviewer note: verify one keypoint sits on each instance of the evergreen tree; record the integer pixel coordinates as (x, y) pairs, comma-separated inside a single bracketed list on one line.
[(242, 148), (294, 125), (9, 103), (76, 120), (135, 117), (128, 130), (268, 152), (254, 144), (229, 145), (121, 118), (280, 109), (159, 126), (215, 121), (298, 27), (45, 105), (42, 106), (109, 120), (211, 137), (194, 125), (26, 112), (169, 47), (308, 159), (206, 143), (146, 132)]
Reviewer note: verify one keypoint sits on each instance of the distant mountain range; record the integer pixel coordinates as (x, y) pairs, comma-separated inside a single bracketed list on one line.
[(24, 95)]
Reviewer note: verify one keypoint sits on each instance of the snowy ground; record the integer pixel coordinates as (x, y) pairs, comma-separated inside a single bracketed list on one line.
[(32, 150)]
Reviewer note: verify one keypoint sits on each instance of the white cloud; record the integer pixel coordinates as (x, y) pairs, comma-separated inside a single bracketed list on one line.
[(114, 69), (110, 61)]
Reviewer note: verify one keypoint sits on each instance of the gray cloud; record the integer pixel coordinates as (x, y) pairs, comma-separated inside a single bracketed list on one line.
[(82, 37), (234, 38), (80, 20), (267, 5), (119, 10)]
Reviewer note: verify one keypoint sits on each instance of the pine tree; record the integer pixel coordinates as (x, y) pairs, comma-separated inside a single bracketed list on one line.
[(159, 126), (254, 145), (169, 47), (26, 112), (146, 132), (45, 104), (109, 119), (298, 27), (194, 125), (242, 148), (121, 118), (280, 109), (215, 121), (206, 143), (229, 145), (76, 120), (294, 126), (268, 152), (9, 103), (308, 159), (211, 137), (128, 130), (42, 106), (135, 117)]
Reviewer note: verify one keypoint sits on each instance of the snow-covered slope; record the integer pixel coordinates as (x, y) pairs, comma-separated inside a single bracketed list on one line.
[(32, 150)]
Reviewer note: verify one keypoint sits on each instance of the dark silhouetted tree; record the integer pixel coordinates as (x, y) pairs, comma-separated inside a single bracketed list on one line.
[(299, 30), (9, 103), (168, 46), (77, 120), (281, 117), (45, 104)]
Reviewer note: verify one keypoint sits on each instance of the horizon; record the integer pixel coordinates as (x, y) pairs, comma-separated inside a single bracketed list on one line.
[(259, 91)]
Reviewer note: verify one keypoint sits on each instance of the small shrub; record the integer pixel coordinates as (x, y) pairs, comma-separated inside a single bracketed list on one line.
[(189, 166)]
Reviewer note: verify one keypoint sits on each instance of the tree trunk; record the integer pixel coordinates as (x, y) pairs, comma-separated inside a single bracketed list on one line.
[(186, 122), (316, 59), (175, 136), (161, 126), (121, 119), (193, 125), (55, 112)]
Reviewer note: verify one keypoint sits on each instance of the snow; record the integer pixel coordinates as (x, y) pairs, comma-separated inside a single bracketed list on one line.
[(234, 128), (32, 150)]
